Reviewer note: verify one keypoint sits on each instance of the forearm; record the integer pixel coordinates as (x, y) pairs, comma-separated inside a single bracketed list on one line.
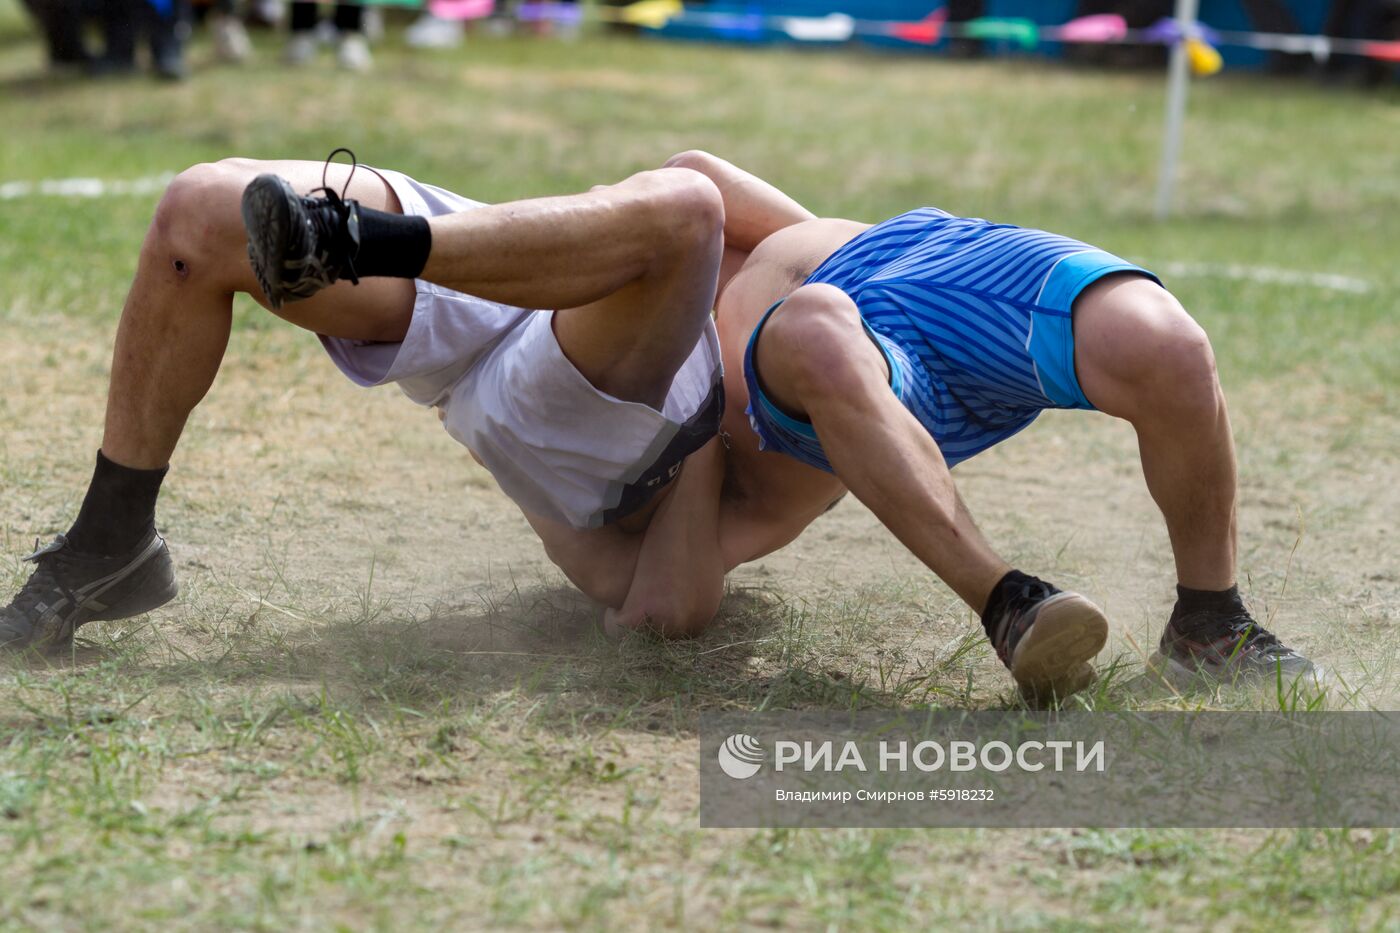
[(679, 577), (601, 562)]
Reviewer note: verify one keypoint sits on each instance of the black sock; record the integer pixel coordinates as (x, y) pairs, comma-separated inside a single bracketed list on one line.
[(119, 509), (1189, 601), (1006, 586), (394, 245)]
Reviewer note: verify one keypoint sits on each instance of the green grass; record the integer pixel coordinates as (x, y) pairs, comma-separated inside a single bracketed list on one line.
[(342, 724)]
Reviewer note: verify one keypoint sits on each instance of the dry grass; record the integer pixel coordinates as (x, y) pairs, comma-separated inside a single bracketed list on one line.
[(377, 706)]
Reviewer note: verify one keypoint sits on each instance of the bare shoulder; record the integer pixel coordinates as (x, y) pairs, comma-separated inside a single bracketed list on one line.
[(775, 268)]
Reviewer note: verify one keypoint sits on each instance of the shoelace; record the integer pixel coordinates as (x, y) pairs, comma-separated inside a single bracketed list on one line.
[(1241, 631), (1254, 635), (330, 216), (325, 171), (48, 561)]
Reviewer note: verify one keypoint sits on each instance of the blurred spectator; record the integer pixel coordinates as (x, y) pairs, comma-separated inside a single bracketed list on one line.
[(571, 28), (1362, 19), (61, 22), (435, 32), (127, 22), (226, 29), (352, 48), (568, 23), (1274, 16), (264, 14), (961, 11), (501, 22)]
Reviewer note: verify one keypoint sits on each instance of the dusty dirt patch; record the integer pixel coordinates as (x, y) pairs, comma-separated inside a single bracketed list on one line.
[(444, 699)]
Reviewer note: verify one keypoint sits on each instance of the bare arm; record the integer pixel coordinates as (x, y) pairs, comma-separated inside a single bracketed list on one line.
[(600, 562), (753, 209), (672, 576), (679, 578), (669, 577)]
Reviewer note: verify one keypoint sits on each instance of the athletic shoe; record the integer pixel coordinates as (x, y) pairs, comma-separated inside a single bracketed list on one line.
[(231, 43), (1046, 636), (352, 53), (300, 50), (299, 245), (170, 65), (68, 589), (1226, 646), (104, 67), (372, 24), (434, 32), (264, 14)]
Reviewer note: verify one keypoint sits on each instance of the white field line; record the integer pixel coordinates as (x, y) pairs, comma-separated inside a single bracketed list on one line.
[(1268, 275), (84, 187), (153, 184)]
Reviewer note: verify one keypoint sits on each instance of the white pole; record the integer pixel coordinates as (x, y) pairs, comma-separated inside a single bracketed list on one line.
[(1178, 81)]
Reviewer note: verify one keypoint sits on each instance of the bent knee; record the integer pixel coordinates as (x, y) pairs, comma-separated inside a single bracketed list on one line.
[(1142, 352), (205, 184), (1173, 350), (815, 343), (198, 216), (684, 207)]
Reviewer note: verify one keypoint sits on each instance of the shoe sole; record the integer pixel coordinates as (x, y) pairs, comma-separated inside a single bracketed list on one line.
[(1185, 677), (1052, 658), (267, 216)]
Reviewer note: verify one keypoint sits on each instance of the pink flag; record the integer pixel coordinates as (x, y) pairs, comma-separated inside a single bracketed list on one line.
[(1102, 27), (1385, 51), (461, 9)]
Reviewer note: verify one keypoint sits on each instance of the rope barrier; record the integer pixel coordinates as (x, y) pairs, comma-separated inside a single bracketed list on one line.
[(1200, 40)]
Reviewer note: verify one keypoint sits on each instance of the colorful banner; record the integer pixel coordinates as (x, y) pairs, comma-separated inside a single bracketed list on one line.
[(925, 32), (461, 9), (837, 27), (652, 14), (1101, 27), (1022, 32), (1201, 42), (1203, 58)]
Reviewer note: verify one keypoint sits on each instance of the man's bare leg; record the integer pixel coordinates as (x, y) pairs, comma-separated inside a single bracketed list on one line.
[(815, 361), (1139, 356), (630, 270), (175, 323), (634, 265), (170, 342)]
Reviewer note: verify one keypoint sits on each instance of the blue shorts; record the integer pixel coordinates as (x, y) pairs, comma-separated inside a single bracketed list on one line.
[(973, 319)]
